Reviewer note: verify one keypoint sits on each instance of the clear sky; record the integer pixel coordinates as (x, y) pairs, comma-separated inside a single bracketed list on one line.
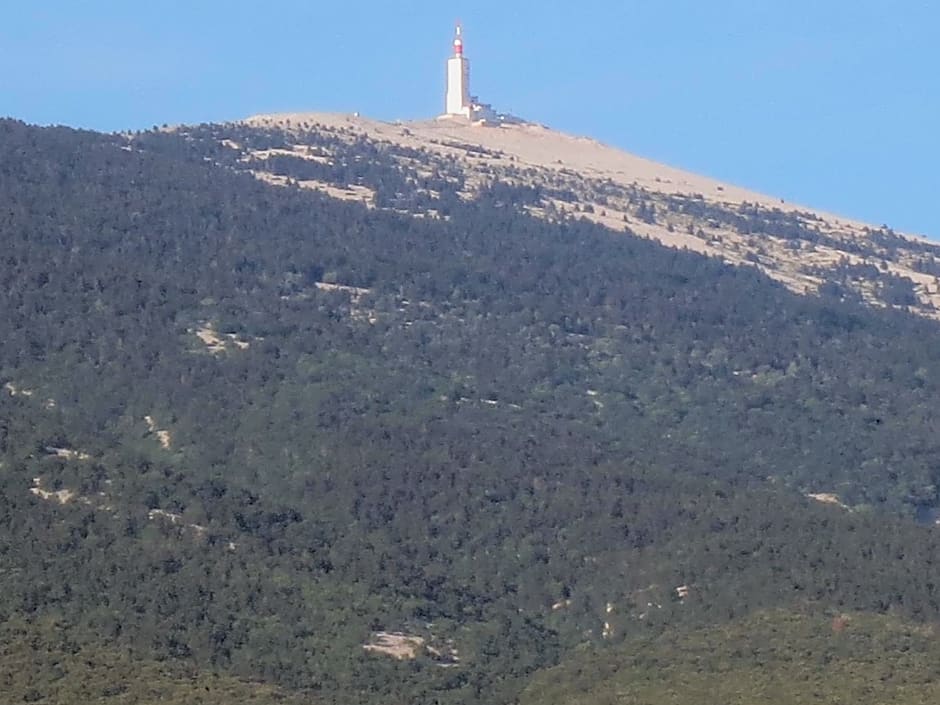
[(830, 103)]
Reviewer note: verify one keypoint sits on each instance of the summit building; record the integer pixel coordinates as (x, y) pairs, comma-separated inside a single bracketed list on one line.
[(458, 102)]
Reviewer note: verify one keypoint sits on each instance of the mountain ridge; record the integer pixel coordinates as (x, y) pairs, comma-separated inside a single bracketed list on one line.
[(558, 150), (804, 248)]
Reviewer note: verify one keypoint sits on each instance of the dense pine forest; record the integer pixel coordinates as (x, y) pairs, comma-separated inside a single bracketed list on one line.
[(247, 429)]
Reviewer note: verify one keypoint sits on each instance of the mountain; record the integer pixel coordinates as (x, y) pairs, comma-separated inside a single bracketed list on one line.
[(297, 414)]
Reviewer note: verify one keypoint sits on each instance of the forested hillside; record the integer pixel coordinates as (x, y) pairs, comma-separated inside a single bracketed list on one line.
[(774, 658), (248, 430)]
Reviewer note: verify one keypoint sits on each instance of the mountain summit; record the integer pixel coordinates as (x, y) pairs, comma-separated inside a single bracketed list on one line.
[(808, 250)]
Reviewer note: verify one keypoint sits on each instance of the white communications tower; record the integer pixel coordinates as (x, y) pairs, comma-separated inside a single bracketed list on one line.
[(458, 101)]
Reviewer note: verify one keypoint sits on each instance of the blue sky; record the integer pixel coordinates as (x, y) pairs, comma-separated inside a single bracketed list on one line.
[(830, 103)]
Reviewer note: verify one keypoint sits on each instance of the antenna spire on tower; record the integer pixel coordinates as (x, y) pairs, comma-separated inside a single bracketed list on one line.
[(458, 39)]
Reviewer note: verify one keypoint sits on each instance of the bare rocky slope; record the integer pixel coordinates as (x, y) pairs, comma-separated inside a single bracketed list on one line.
[(564, 176)]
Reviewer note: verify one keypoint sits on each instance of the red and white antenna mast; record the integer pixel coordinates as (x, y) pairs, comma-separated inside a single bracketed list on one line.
[(458, 39)]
